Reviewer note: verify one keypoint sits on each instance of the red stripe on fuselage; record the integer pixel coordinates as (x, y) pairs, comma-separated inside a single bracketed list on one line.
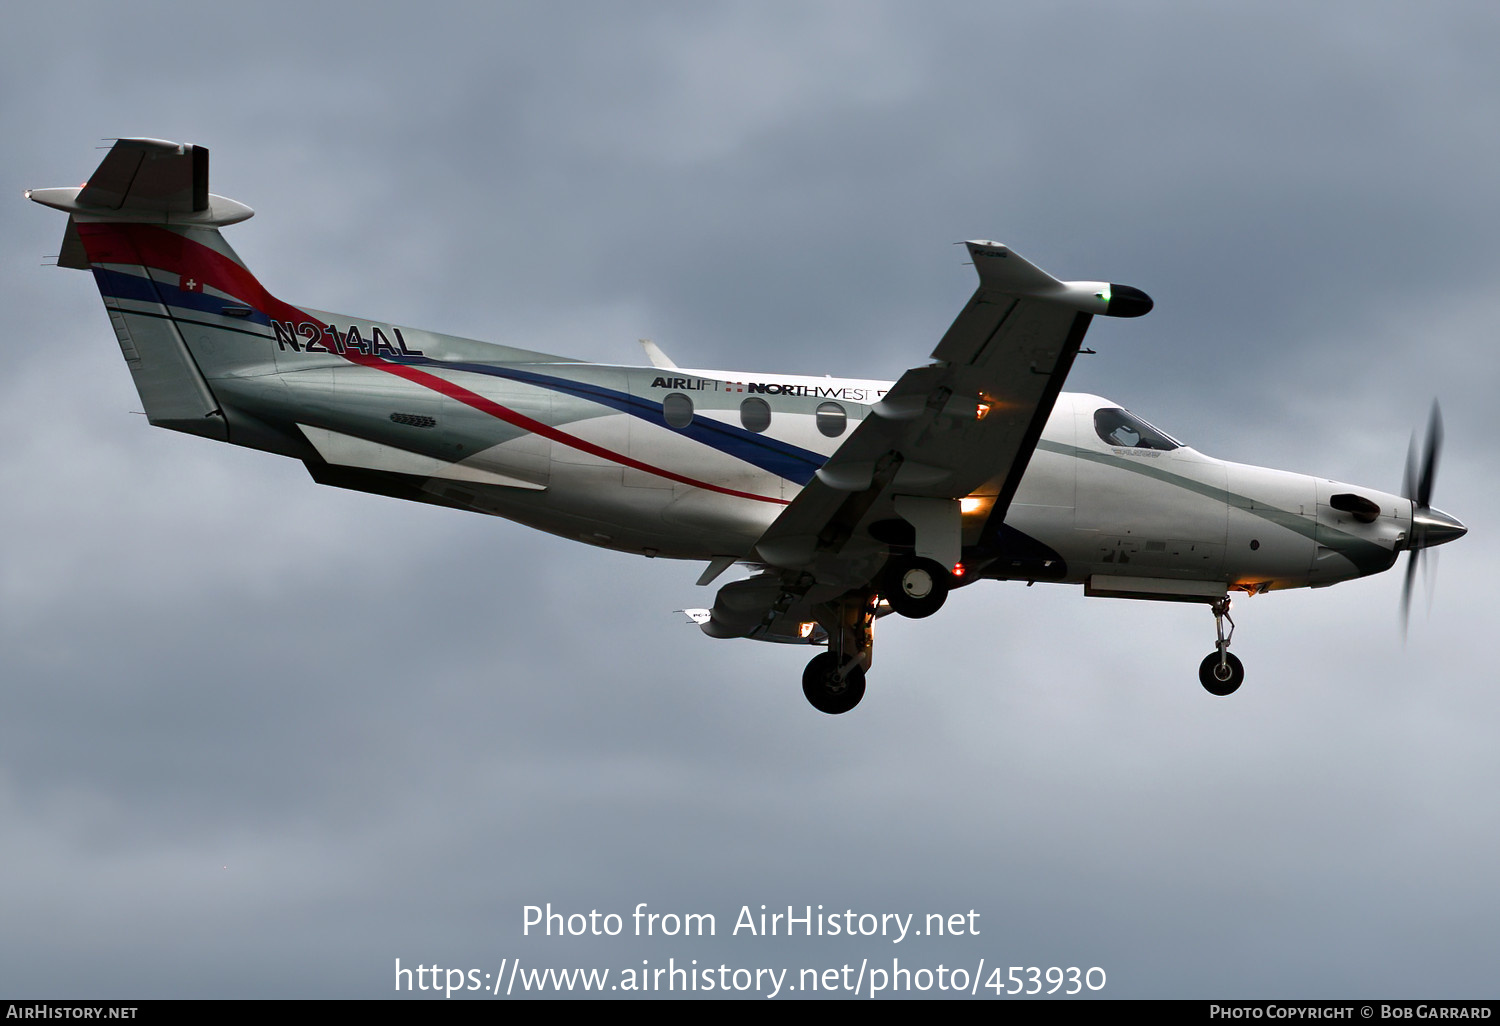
[(153, 246)]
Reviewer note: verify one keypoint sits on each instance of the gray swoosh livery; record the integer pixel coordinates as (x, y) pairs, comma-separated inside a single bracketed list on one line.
[(846, 499)]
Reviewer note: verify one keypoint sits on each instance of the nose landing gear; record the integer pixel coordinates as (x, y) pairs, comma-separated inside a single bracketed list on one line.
[(1220, 673)]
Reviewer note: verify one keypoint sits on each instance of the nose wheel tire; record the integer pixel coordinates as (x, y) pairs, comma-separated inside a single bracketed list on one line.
[(1221, 677), (825, 691), (915, 587)]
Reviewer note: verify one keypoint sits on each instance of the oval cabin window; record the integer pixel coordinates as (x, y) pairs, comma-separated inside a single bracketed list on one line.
[(755, 414), (677, 410), (832, 419)]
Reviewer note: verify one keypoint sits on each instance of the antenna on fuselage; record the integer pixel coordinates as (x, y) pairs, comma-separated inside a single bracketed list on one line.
[(655, 355)]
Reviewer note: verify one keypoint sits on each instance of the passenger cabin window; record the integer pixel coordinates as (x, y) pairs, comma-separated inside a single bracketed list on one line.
[(755, 414), (832, 419), (1116, 427), (677, 410)]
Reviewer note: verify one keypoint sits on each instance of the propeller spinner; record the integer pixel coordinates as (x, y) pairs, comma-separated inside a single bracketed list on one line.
[(1429, 526)]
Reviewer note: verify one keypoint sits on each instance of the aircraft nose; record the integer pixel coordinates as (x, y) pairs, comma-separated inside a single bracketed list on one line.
[(1434, 527)]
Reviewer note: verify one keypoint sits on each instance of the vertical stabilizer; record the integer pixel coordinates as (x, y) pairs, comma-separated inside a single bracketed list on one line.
[(146, 225)]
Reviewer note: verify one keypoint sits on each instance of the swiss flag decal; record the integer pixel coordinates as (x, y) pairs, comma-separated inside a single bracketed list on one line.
[(188, 283)]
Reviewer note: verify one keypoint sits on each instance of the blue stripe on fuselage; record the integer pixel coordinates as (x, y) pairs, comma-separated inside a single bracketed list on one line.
[(780, 458), (769, 454)]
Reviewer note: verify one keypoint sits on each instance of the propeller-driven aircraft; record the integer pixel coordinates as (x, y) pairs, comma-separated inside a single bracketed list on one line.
[(846, 499)]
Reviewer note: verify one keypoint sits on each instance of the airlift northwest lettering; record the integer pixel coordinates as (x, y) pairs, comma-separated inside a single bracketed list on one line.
[(853, 395), (320, 337)]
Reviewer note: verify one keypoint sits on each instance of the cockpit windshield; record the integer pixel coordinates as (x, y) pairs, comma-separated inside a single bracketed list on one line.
[(1119, 428)]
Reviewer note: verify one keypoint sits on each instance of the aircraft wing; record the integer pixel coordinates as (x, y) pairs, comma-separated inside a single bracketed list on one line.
[(960, 428)]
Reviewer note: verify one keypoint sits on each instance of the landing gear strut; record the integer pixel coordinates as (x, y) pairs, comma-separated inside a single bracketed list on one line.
[(834, 681), (1221, 673)]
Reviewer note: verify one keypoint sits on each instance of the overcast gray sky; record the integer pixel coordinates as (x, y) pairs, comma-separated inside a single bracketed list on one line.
[(262, 738)]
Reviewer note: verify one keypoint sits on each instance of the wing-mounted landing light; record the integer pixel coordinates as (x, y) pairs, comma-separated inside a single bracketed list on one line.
[(1429, 526)]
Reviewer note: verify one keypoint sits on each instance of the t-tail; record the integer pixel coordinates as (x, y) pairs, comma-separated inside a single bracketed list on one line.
[(184, 308)]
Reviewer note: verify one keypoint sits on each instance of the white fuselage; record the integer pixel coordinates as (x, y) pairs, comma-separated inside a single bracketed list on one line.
[(708, 485)]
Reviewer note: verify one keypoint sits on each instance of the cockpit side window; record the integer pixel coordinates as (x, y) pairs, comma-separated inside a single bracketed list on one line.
[(1116, 427)]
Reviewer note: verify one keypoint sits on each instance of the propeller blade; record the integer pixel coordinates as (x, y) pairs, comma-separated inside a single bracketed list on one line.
[(1429, 526), (1409, 479), (1430, 457), (1411, 573)]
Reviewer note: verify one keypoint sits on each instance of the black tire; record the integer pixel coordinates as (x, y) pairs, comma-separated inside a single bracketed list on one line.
[(1211, 674), (915, 587), (826, 694)]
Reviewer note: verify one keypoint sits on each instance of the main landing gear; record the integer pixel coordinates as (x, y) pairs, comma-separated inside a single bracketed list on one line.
[(829, 687), (1221, 673), (834, 681), (914, 586)]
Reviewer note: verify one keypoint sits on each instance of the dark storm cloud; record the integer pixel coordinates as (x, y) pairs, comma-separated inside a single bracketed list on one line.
[(262, 738)]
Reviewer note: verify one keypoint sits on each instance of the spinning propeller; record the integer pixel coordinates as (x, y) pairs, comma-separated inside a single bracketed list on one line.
[(1429, 526)]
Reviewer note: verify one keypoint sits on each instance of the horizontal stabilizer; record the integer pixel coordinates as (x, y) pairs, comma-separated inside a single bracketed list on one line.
[(150, 174), (149, 181)]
